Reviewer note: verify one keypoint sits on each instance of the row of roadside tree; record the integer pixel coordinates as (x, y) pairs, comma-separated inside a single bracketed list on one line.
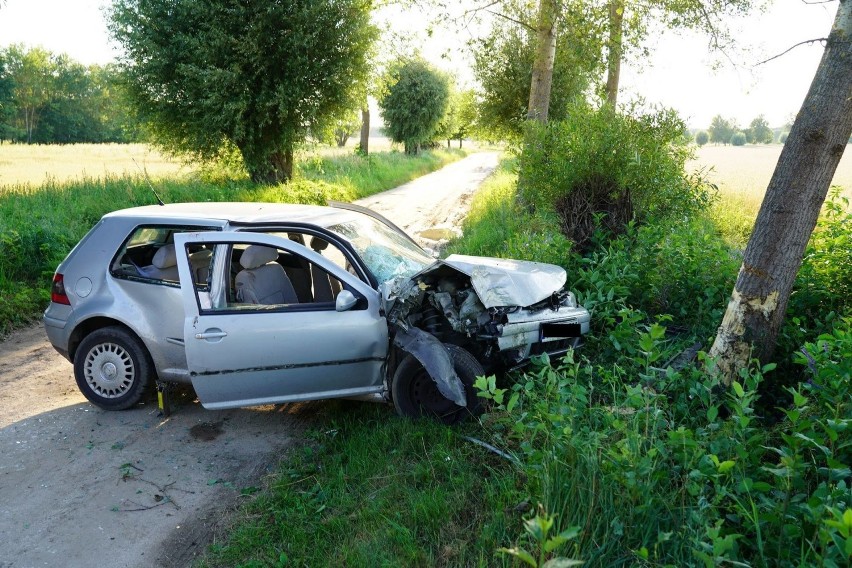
[(49, 98)]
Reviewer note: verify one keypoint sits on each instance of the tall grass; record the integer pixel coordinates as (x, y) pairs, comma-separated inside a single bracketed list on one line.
[(40, 224)]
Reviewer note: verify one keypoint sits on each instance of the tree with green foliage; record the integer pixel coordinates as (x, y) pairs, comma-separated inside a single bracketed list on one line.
[(415, 102), (721, 130), (449, 123), (468, 115), (7, 99), (739, 139), (760, 131), (504, 60), (32, 72), (254, 75), (701, 137)]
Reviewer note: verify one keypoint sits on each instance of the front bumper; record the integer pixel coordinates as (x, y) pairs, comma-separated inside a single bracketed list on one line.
[(558, 328)]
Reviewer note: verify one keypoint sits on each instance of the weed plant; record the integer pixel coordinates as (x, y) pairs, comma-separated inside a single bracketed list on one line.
[(40, 225)]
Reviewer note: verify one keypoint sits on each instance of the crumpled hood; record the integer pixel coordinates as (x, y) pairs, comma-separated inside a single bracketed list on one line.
[(503, 282)]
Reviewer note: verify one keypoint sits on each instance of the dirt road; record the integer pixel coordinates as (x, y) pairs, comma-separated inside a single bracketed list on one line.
[(83, 487)]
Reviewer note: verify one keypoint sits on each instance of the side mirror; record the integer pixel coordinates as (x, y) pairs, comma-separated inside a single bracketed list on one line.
[(345, 301)]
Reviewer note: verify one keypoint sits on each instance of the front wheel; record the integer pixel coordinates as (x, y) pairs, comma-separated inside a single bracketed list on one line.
[(112, 368), (415, 394)]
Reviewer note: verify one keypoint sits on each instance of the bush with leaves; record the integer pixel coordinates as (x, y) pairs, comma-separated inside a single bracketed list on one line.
[(738, 139), (601, 169), (414, 104), (702, 138)]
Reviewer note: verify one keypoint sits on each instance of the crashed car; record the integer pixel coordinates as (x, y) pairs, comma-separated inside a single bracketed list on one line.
[(260, 303)]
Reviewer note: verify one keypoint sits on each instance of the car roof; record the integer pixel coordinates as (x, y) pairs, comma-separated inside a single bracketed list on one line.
[(238, 213)]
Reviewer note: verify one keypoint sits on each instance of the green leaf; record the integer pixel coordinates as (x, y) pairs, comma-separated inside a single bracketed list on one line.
[(562, 563), (712, 413), (738, 388), (513, 402), (520, 554), (726, 466)]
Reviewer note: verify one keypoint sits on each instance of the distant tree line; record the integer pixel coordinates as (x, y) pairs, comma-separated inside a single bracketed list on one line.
[(47, 98), (727, 131)]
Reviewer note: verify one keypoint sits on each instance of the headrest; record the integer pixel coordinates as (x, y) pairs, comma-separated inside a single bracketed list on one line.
[(258, 255), (199, 255), (165, 257), (318, 244)]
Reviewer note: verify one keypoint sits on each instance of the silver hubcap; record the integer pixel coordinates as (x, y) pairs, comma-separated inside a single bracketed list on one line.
[(109, 370)]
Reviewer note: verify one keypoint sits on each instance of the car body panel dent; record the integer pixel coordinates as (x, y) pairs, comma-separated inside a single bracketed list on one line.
[(503, 282)]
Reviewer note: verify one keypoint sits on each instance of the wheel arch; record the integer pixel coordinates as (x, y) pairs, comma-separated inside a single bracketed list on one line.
[(92, 324)]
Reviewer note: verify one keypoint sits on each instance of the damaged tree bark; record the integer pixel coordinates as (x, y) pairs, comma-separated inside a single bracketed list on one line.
[(790, 208)]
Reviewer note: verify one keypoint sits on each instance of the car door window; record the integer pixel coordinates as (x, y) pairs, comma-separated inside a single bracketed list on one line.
[(249, 277)]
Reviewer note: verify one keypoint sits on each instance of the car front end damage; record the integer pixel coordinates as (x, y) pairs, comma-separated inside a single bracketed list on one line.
[(502, 311)]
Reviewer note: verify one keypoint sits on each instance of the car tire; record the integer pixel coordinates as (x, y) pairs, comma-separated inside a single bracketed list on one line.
[(112, 368), (415, 394)]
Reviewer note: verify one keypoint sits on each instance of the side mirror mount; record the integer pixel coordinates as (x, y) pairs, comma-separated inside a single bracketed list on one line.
[(345, 301)]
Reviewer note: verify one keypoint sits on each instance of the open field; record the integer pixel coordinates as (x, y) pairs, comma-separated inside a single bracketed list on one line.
[(745, 171), (37, 163), (742, 174)]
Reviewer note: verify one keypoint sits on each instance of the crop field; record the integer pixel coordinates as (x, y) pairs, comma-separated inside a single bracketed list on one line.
[(744, 171), (742, 174), (38, 163)]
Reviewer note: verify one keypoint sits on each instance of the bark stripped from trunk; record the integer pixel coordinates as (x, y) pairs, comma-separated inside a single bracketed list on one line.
[(364, 146), (614, 50), (545, 55), (790, 208)]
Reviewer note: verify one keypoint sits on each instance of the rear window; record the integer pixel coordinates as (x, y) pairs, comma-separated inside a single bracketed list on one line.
[(148, 254)]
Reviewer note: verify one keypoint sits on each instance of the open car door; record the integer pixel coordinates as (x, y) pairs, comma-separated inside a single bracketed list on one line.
[(261, 345)]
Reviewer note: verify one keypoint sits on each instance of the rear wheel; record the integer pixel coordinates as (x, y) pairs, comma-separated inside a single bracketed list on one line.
[(112, 368), (415, 393)]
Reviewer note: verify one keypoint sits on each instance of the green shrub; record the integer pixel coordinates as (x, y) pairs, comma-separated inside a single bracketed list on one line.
[(599, 168), (739, 139), (663, 467), (702, 138)]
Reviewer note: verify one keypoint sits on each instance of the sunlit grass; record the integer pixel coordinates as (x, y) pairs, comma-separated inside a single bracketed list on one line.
[(35, 164)]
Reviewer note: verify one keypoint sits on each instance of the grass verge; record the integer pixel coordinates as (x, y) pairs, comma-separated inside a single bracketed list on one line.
[(39, 225), (373, 489)]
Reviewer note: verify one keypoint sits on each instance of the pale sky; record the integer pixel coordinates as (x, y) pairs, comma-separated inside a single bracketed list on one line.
[(678, 74)]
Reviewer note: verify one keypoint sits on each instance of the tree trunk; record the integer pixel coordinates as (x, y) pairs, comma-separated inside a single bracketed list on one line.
[(364, 146), (790, 208), (542, 71), (278, 168), (614, 50)]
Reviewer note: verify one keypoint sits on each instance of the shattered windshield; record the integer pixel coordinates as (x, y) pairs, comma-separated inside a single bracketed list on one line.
[(386, 253)]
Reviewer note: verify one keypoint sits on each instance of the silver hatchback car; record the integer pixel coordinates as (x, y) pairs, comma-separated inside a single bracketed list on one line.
[(260, 303)]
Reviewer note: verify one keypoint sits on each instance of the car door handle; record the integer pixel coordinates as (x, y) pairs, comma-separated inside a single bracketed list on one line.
[(218, 334)]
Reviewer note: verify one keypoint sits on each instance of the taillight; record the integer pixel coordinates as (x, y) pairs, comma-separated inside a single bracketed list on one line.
[(57, 291)]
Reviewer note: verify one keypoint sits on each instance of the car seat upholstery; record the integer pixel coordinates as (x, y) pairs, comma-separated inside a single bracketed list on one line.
[(200, 263), (326, 287), (262, 280), (163, 265), (298, 272)]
